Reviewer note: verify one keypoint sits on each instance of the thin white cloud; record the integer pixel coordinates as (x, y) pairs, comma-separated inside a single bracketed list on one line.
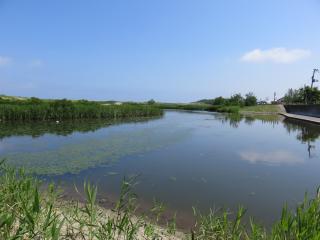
[(276, 55), (36, 63), (273, 158), (4, 60)]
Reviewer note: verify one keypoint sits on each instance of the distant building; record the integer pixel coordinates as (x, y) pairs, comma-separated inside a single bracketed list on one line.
[(262, 102), (280, 100)]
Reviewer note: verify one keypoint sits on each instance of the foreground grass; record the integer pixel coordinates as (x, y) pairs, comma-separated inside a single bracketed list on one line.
[(28, 213)]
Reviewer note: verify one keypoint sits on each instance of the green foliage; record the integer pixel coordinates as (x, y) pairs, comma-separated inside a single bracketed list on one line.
[(24, 212), (304, 223), (230, 105), (217, 225), (305, 95), (191, 106), (28, 213), (199, 107), (236, 100), (294, 96), (34, 100), (206, 101), (36, 109), (250, 99), (219, 101), (151, 102), (311, 95)]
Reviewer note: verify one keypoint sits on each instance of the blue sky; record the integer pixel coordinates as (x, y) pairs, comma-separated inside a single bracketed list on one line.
[(169, 50)]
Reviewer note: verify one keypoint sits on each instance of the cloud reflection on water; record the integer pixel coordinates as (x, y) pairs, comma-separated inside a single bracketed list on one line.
[(273, 158)]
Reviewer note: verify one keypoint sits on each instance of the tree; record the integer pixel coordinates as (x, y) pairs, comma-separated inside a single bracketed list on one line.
[(35, 100), (219, 101), (151, 102), (311, 95), (294, 96), (250, 99), (236, 100), (303, 95)]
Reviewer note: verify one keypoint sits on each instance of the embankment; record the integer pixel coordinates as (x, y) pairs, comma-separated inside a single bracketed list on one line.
[(306, 110)]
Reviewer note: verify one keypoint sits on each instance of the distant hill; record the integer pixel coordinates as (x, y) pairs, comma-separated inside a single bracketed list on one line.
[(15, 98), (12, 97), (206, 101)]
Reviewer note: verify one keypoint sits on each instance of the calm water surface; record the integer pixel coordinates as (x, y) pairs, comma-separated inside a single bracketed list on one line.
[(184, 159)]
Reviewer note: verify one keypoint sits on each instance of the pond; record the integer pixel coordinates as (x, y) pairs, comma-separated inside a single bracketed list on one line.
[(184, 159)]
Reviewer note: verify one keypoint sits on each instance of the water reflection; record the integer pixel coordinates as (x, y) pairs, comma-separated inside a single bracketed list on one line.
[(65, 128), (307, 133), (52, 155), (234, 120), (272, 158), (56, 155)]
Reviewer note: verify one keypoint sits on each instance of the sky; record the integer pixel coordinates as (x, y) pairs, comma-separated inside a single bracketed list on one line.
[(168, 50)]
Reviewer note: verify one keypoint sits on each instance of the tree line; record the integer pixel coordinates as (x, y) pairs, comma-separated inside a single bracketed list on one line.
[(235, 100), (303, 95)]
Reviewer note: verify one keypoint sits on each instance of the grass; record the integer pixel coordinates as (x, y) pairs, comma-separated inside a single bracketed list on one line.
[(28, 213), (57, 110), (182, 106), (257, 109), (268, 108)]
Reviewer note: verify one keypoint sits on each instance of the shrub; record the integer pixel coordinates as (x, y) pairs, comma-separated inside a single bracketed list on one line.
[(250, 100)]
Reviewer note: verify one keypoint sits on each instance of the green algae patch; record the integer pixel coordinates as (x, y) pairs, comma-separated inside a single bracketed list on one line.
[(91, 152)]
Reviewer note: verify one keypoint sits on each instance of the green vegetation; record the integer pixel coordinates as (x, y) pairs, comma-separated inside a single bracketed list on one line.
[(35, 109), (30, 109), (250, 99), (266, 108), (303, 95), (199, 107), (182, 106), (235, 100), (151, 101), (235, 104), (28, 213)]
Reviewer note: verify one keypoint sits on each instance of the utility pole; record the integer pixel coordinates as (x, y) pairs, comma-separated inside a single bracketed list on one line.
[(313, 80), (274, 96)]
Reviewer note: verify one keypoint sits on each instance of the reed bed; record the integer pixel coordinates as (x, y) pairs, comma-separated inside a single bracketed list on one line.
[(28, 213), (70, 110)]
